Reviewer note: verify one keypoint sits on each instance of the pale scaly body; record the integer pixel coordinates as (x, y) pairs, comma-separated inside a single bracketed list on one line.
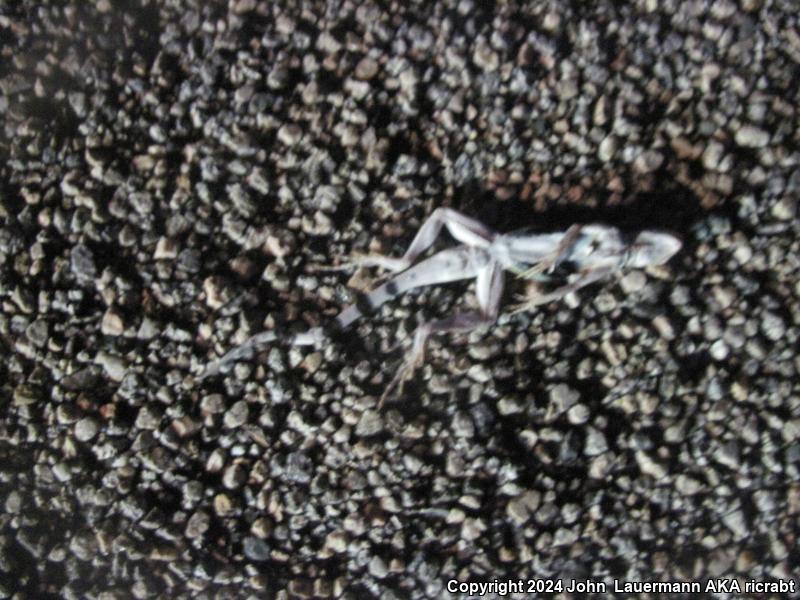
[(595, 251)]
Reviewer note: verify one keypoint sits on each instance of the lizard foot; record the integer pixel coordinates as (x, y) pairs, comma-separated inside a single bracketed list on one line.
[(413, 361)]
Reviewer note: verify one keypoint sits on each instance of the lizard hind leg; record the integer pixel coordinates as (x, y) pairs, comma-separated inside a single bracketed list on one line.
[(358, 260), (488, 290), (413, 361)]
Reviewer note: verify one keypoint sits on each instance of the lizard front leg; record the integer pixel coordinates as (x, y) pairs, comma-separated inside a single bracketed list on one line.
[(561, 252), (583, 279), (464, 229)]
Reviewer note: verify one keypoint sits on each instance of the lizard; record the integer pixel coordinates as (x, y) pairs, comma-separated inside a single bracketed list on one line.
[(594, 251)]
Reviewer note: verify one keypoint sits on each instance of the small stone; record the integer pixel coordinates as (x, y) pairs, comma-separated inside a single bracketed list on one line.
[(166, 249), (61, 471), (377, 568), (217, 295), (578, 414), (336, 541), (112, 323), (712, 155), (38, 333), (749, 136), (299, 467), (234, 476), (684, 149), (688, 486), (149, 417), (508, 406), (719, 350), (66, 414), (255, 548), (147, 329), (13, 502), (216, 461), (25, 394), (664, 327), (185, 426), (370, 423), (262, 527), (240, 7), (648, 161), (773, 326), (596, 442), (607, 148), (223, 505), (82, 263), (197, 525), (236, 415), (485, 58), (86, 429), (366, 69), (114, 366), (519, 509), (562, 397), (725, 296), (735, 521), (278, 78), (290, 134), (785, 209), (471, 529), (212, 404), (649, 466), (463, 425), (633, 281)]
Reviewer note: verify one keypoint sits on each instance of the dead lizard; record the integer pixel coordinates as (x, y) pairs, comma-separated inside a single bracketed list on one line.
[(594, 251)]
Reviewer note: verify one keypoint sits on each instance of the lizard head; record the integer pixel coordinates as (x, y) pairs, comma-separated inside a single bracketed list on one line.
[(652, 248)]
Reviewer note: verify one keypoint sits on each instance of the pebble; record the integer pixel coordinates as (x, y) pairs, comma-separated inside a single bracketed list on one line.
[(86, 429), (521, 508), (749, 136), (370, 423), (256, 549), (197, 525), (633, 281), (223, 505), (595, 442), (82, 263), (112, 323), (366, 69), (166, 249), (773, 326), (484, 57), (607, 149), (785, 209), (149, 417), (114, 366), (25, 395), (290, 134), (463, 425), (712, 155), (563, 397), (13, 503), (648, 161), (38, 332), (578, 414), (649, 466), (237, 415)]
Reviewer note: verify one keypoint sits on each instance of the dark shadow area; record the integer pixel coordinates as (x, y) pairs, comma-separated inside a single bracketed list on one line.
[(676, 209)]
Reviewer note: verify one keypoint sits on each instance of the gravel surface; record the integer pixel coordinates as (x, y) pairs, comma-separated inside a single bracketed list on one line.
[(172, 172)]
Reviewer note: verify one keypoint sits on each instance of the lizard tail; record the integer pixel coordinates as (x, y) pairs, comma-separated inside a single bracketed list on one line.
[(246, 350)]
